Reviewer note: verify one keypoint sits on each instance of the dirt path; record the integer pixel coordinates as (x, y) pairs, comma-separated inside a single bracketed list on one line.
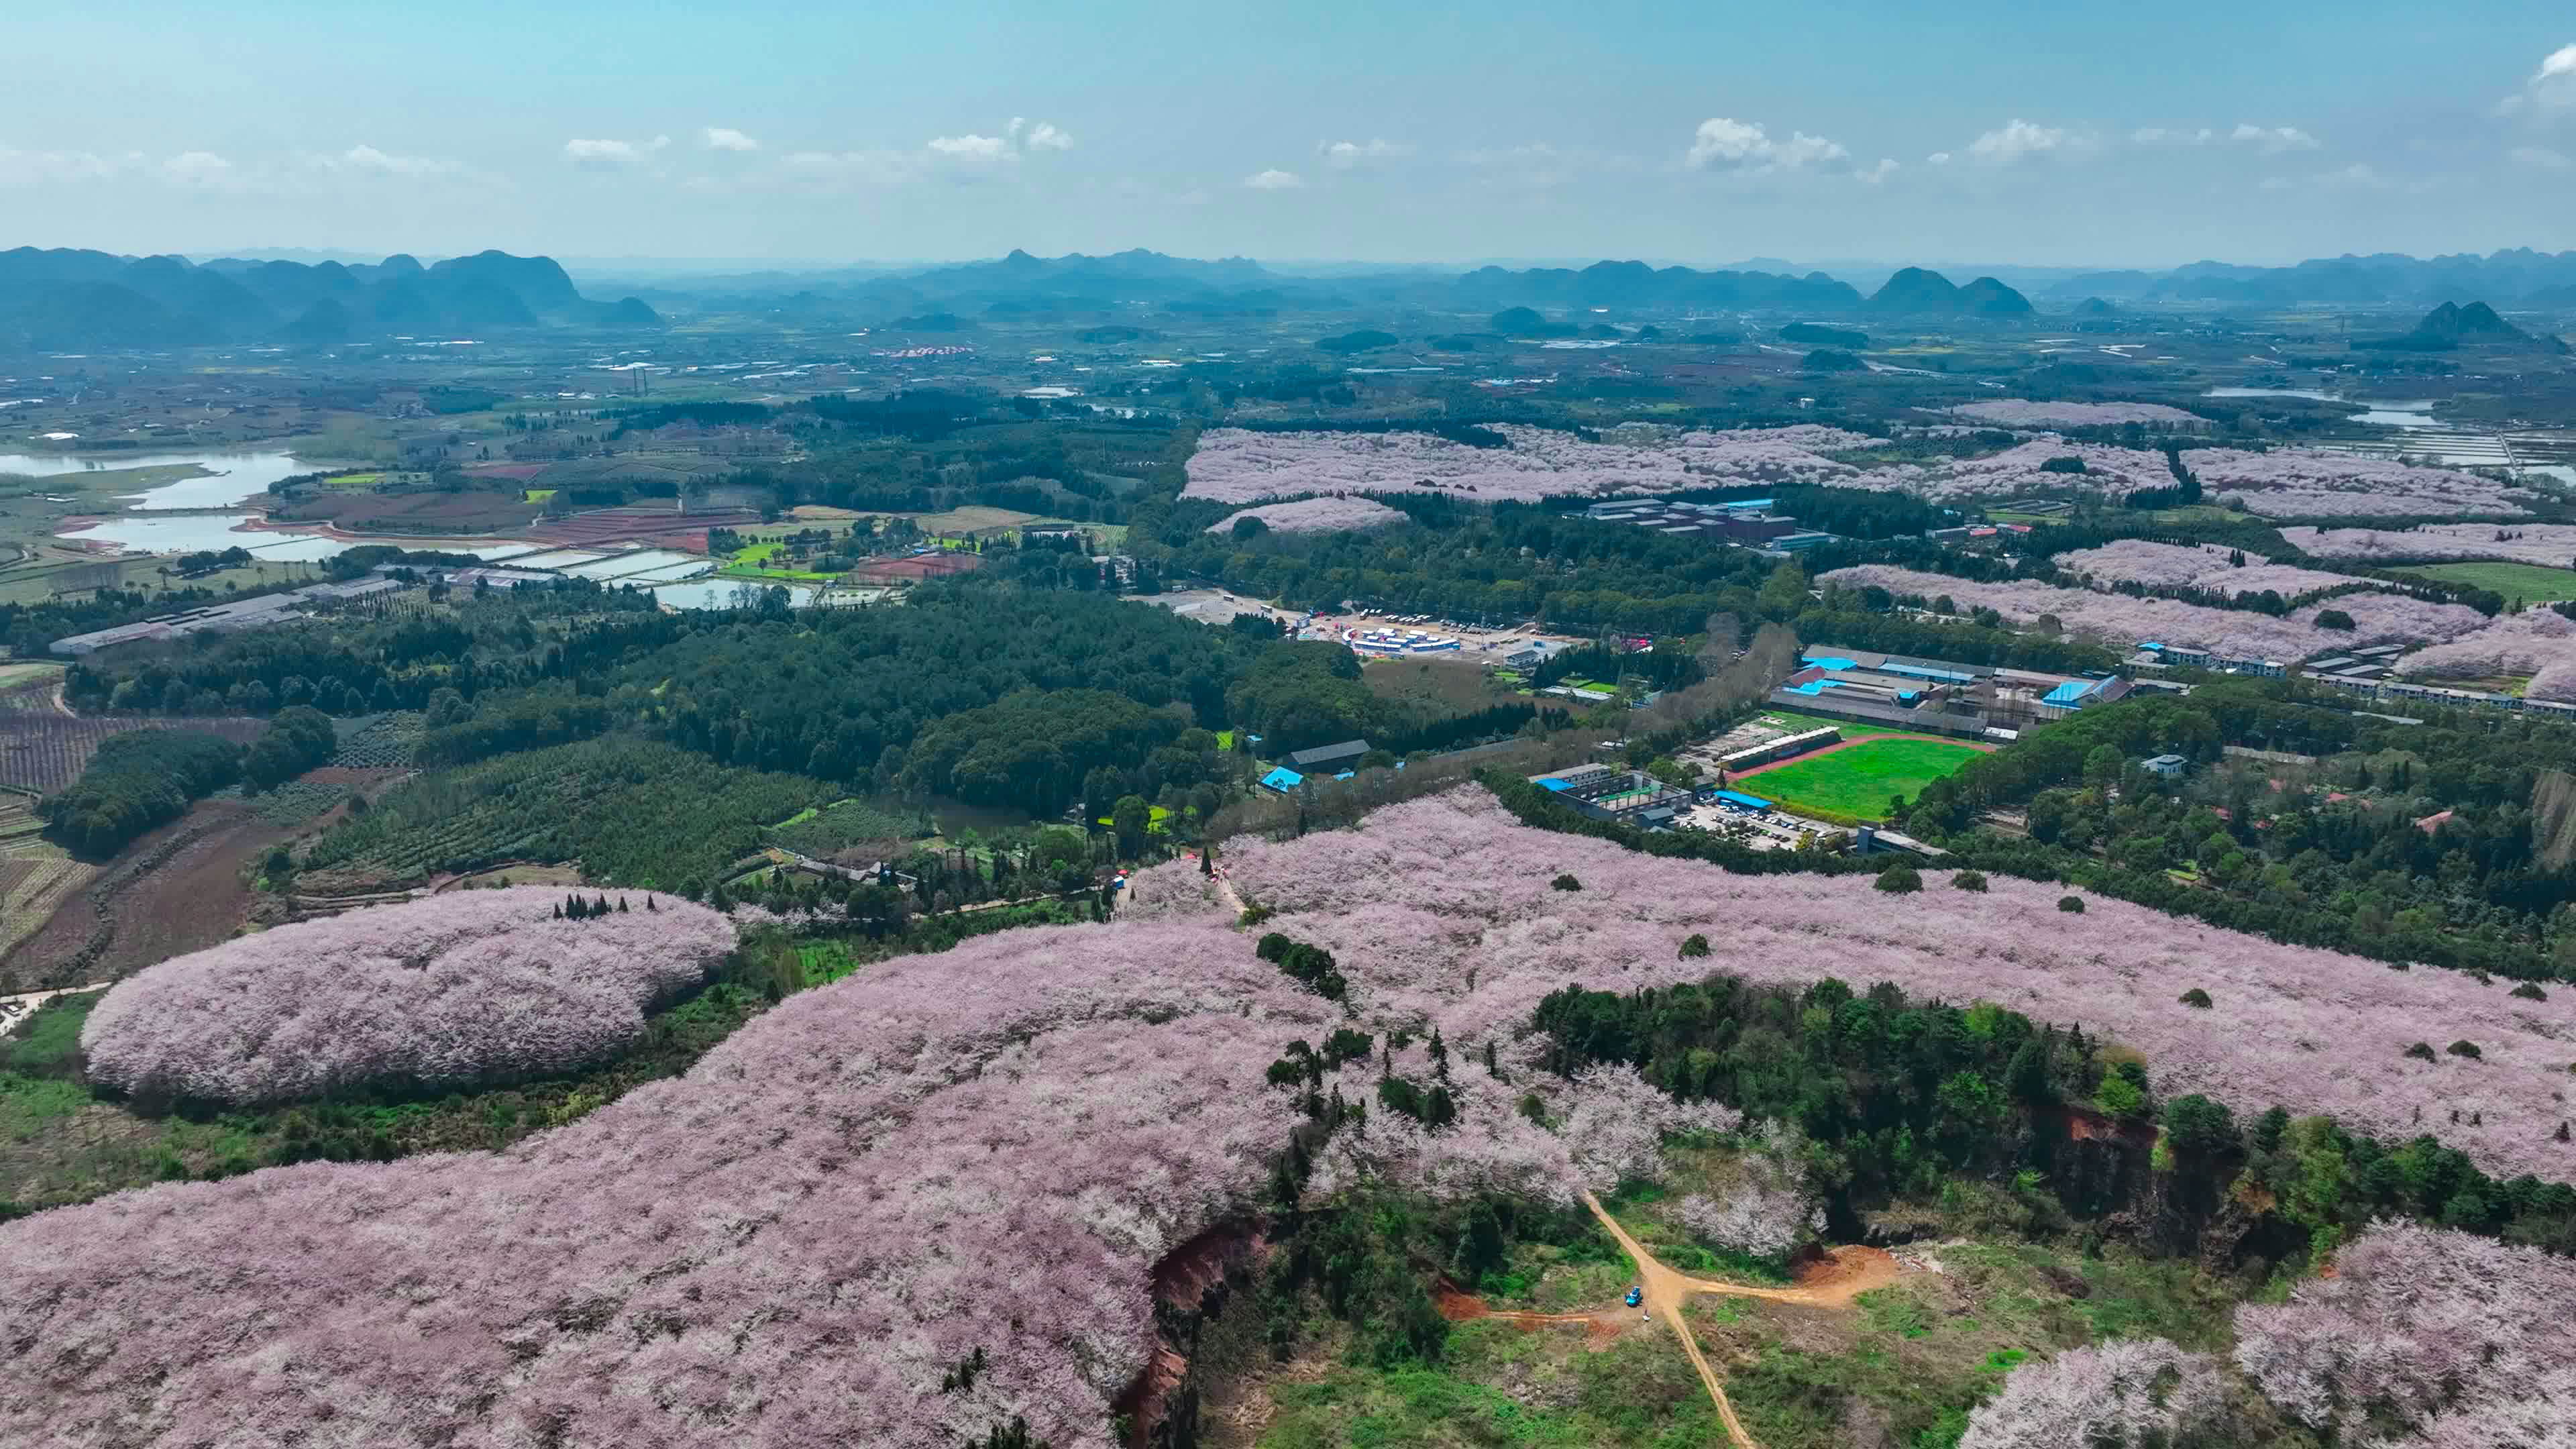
[(15, 1010), (1746, 774), (1854, 1271)]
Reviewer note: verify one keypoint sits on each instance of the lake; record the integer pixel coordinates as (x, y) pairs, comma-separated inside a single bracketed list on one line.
[(241, 474), (214, 532)]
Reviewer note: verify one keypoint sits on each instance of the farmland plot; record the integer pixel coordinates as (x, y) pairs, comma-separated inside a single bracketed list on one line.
[(46, 752)]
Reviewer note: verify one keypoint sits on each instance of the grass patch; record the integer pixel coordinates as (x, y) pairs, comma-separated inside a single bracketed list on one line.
[(2520, 583), (1639, 1393), (537, 495), (1860, 780)]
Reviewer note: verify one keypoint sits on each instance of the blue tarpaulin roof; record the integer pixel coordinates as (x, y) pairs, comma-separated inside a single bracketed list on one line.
[(2069, 692), (1828, 661), (1813, 687), (1738, 797), (1283, 779), (1551, 784)]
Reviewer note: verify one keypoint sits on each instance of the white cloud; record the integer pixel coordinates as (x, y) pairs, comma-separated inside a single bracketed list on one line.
[(982, 148), (1274, 179), (1343, 155), (2540, 158), (367, 158), (2551, 91), (1019, 138), (1939, 158), (199, 168), (1873, 175), (1725, 144), (726, 138), (2272, 139), (2019, 140), (36, 168), (608, 155)]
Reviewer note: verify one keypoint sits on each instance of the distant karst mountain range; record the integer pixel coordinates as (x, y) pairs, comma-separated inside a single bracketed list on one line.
[(69, 300), (74, 300)]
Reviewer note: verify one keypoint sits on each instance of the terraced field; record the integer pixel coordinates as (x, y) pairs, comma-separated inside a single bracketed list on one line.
[(35, 874), (633, 812)]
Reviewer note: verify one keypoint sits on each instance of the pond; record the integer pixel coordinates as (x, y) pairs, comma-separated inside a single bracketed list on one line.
[(239, 474)]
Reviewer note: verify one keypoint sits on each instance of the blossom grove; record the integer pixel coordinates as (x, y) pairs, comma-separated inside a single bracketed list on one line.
[(443, 992), (1470, 940), (1314, 515), (1234, 465), (987, 1149), (2122, 621), (788, 1246), (2465, 1340)]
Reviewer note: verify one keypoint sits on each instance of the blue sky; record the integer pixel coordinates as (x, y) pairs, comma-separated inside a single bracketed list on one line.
[(2084, 134)]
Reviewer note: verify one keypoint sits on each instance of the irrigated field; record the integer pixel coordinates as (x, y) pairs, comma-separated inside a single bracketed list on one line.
[(1858, 779)]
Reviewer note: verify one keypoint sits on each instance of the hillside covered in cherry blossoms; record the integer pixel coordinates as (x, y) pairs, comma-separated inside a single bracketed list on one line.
[(977, 1157), (1516, 462)]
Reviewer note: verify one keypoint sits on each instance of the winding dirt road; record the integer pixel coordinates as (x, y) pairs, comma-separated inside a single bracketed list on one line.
[(1855, 1271)]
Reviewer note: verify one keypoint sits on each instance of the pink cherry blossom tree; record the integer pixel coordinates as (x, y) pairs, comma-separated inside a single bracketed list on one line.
[(2129, 1393), (443, 992), (2463, 1338)]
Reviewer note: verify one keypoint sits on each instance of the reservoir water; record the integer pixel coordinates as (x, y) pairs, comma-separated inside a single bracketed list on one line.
[(240, 474)]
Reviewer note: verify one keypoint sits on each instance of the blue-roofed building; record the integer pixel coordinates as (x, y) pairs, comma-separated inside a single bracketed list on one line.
[(1742, 801), (1282, 780)]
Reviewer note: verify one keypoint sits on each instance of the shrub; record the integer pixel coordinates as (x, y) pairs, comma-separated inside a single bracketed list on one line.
[(1695, 946), (1900, 879), (2530, 991), (2467, 1049), (2196, 997), (1969, 880), (2422, 1051), (1566, 883), (437, 993), (2072, 905)]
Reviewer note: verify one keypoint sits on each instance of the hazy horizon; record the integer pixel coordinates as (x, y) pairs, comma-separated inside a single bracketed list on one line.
[(928, 133)]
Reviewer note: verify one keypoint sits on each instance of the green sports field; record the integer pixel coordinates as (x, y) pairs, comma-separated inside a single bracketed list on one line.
[(1859, 780), (2526, 583)]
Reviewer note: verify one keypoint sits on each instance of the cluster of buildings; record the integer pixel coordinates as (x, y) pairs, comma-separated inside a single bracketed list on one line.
[(1338, 762), (1622, 797), (253, 613), (1750, 522), (1939, 695)]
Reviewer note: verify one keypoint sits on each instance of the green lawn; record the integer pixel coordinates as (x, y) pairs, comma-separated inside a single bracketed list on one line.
[(2518, 582), (1858, 781)]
